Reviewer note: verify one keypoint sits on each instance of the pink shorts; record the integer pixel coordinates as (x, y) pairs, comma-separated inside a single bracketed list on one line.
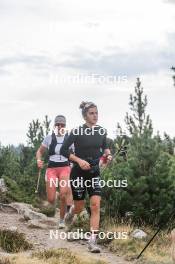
[(57, 173)]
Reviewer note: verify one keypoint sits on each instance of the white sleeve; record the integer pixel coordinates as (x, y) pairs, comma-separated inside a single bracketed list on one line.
[(46, 142)]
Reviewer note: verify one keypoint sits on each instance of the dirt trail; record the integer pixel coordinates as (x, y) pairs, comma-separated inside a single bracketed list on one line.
[(40, 238)]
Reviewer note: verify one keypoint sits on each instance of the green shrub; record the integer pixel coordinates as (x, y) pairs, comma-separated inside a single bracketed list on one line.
[(13, 241)]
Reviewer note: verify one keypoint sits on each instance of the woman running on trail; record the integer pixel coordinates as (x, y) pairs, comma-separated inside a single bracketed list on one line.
[(58, 167), (89, 143)]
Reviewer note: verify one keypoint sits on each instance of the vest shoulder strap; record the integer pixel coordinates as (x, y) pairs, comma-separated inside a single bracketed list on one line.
[(52, 144)]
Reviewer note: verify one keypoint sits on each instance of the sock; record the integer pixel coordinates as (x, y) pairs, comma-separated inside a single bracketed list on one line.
[(71, 209), (94, 235), (61, 220)]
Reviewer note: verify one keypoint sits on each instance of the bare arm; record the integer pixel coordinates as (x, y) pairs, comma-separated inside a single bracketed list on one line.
[(82, 163), (39, 155)]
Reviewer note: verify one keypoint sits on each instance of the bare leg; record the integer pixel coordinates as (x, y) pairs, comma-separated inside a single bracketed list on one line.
[(95, 212), (78, 206), (69, 198), (65, 195), (51, 193)]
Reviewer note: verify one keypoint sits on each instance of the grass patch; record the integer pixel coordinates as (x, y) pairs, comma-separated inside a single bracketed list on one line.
[(158, 251), (48, 211), (13, 241), (5, 261), (52, 256), (81, 222), (63, 255)]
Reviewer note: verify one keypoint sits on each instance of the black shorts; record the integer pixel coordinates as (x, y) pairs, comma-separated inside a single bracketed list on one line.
[(84, 181)]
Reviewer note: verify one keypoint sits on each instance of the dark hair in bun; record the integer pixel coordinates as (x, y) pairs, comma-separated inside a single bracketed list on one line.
[(82, 105), (85, 106)]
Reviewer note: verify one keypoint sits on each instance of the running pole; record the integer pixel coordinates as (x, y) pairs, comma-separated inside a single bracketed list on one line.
[(38, 181), (115, 154), (149, 242)]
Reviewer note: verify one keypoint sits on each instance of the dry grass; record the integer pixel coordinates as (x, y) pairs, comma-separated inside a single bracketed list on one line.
[(58, 256), (13, 241), (63, 255), (5, 261), (158, 252), (80, 222)]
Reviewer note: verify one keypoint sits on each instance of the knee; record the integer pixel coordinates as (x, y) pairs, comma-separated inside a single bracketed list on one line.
[(95, 207)]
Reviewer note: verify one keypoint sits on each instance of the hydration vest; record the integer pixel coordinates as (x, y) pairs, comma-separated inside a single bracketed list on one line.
[(54, 143)]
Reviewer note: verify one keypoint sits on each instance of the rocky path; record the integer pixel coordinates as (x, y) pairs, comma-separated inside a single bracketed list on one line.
[(40, 238)]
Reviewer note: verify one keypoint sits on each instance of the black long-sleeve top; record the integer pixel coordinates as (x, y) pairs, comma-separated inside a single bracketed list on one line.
[(85, 145)]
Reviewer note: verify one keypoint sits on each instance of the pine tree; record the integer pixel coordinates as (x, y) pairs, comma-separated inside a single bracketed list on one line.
[(37, 131), (148, 170), (138, 122)]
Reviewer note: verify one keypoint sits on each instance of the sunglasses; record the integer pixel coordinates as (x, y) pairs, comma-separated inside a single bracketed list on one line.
[(59, 124)]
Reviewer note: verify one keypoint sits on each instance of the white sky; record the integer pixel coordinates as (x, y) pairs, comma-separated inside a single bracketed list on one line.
[(42, 42)]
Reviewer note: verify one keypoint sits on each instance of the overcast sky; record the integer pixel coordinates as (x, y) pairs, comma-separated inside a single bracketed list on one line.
[(49, 47)]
